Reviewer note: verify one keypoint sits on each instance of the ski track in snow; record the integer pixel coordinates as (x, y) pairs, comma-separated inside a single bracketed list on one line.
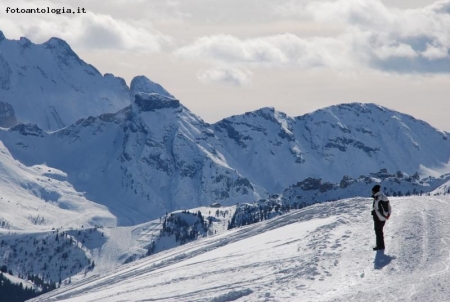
[(319, 253)]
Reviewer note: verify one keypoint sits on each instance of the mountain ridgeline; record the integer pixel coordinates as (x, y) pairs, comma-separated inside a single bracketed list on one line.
[(138, 151), (49, 85)]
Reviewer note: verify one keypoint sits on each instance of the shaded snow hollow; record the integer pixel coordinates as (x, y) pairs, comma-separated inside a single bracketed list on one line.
[(319, 253)]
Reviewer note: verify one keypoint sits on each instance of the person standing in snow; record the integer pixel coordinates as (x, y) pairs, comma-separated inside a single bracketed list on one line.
[(381, 211)]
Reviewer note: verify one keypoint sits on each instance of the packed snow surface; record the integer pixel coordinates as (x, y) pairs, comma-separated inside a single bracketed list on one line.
[(319, 253)]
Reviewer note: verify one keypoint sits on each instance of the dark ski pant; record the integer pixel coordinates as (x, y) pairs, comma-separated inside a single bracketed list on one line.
[(379, 225)]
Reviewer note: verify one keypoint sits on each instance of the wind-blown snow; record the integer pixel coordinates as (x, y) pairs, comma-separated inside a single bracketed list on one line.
[(319, 253)]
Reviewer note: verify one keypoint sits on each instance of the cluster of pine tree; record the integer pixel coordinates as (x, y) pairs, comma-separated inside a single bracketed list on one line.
[(184, 227), (44, 260), (399, 193), (252, 213), (183, 231), (11, 292)]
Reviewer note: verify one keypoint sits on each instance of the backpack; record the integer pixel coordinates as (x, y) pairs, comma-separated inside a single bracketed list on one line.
[(386, 208)]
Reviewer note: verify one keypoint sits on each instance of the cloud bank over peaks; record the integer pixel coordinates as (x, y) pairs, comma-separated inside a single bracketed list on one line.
[(271, 51), (420, 35), (374, 36)]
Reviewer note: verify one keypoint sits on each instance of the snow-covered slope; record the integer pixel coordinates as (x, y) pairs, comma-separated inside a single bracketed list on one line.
[(49, 85), (60, 254), (127, 244), (274, 150), (148, 159), (444, 188), (53, 256), (40, 197), (319, 253)]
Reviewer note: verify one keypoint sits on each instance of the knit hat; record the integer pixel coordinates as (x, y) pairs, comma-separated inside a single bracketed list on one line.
[(376, 188)]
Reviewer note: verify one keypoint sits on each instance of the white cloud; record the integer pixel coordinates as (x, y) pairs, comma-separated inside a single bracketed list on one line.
[(101, 31), (285, 50), (359, 13), (368, 33), (401, 51), (373, 36), (435, 53), (87, 30), (226, 75)]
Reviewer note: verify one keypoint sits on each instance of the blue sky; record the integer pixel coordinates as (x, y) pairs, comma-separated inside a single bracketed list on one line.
[(227, 57)]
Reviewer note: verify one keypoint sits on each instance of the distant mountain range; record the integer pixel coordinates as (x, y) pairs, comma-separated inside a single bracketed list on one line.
[(155, 156), (140, 153)]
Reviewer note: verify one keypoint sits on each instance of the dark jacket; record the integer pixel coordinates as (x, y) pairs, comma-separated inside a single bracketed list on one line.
[(381, 208)]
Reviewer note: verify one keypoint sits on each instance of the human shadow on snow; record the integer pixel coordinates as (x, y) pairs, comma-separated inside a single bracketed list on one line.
[(381, 260)]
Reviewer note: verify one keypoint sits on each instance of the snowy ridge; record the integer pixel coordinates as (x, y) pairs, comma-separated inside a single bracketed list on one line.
[(274, 150), (49, 85), (319, 252)]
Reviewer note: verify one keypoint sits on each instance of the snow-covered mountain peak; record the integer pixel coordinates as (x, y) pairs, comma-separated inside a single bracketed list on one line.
[(55, 42), (64, 52), (2, 36), (154, 101), (336, 113), (143, 84), (354, 114), (359, 107), (24, 42), (265, 111), (272, 115), (261, 119), (49, 85)]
